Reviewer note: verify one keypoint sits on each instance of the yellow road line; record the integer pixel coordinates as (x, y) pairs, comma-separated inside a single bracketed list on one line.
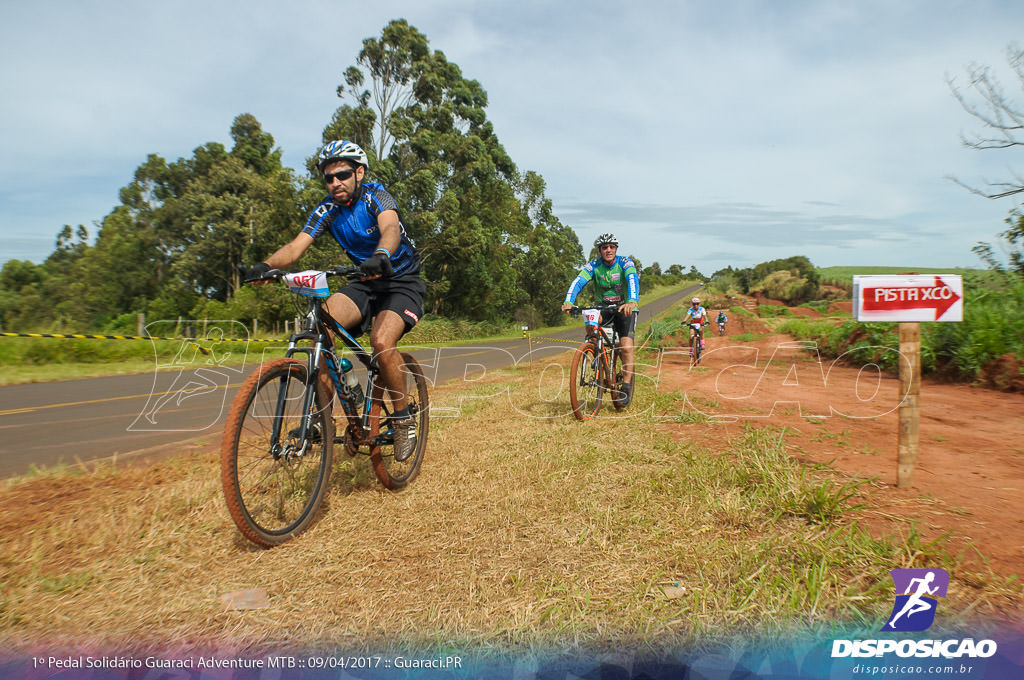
[(30, 409)]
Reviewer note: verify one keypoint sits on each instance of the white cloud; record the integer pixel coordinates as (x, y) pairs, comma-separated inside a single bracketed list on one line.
[(724, 116)]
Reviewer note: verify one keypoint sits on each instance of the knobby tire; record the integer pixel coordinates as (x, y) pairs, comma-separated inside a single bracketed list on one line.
[(272, 500), (586, 382), (618, 373)]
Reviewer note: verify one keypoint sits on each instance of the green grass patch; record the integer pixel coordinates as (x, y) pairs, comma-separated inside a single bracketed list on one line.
[(661, 331), (820, 306), (772, 311), (805, 329)]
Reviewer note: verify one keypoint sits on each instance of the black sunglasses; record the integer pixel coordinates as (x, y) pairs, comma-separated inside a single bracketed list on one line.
[(341, 175)]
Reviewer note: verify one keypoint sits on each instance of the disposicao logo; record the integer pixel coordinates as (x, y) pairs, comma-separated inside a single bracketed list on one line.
[(917, 591), (914, 610)]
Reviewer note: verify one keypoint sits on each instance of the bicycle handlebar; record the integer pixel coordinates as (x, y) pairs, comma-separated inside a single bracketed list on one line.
[(575, 311), (349, 271)]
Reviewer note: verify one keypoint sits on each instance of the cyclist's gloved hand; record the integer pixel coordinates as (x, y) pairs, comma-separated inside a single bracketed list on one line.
[(256, 271), (377, 264)]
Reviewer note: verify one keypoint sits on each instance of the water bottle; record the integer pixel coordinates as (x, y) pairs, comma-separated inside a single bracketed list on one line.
[(351, 380)]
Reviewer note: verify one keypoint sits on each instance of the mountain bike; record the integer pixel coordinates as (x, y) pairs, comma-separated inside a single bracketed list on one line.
[(279, 438), (597, 365), (721, 328), (695, 349)]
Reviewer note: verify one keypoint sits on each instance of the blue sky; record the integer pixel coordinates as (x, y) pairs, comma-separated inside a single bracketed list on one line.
[(702, 133)]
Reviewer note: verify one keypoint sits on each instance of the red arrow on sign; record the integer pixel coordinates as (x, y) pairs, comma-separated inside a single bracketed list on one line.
[(938, 296)]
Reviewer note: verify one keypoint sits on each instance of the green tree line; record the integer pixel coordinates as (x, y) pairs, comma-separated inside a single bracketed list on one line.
[(491, 245)]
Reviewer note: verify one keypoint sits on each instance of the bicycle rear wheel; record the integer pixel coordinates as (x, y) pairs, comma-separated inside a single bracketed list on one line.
[(274, 489), (586, 376), (393, 474)]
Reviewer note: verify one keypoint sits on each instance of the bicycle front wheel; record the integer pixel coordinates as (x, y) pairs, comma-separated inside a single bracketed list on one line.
[(585, 382), (392, 473), (273, 478), (618, 379)]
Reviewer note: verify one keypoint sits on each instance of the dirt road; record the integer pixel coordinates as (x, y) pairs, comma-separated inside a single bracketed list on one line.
[(969, 479)]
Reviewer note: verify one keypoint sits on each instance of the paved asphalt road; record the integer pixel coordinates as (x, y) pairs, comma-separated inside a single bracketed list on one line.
[(139, 416)]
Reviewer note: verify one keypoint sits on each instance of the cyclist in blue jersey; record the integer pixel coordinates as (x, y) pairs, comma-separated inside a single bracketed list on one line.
[(616, 282), (365, 221), (721, 320)]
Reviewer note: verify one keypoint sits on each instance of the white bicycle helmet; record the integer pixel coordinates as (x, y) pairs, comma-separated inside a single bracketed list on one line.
[(695, 301), (342, 150), (606, 238)]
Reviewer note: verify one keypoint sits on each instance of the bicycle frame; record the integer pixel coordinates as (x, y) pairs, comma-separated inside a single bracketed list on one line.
[(606, 345), (694, 342), (316, 330), (599, 333)]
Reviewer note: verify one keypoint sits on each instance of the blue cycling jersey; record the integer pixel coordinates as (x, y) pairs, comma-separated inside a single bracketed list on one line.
[(354, 227)]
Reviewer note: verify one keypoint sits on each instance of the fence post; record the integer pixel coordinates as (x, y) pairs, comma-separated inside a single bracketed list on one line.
[(142, 322)]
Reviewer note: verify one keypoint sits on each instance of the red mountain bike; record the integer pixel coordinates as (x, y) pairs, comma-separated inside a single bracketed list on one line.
[(695, 348)]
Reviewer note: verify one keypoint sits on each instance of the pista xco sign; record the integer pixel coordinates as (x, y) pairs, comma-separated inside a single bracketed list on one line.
[(935, 297)]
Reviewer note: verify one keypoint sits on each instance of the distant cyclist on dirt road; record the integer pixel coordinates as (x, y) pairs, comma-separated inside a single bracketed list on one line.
[(697, 314), (721, 319), (616, 282)]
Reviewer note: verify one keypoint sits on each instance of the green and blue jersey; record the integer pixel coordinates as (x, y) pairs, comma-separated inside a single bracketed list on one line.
[(613, 284)]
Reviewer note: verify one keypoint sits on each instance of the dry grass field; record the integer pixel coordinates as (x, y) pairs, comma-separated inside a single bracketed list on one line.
[(526, 530)]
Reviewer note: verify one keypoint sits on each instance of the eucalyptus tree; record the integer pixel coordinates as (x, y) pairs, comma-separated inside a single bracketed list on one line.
[(465, 204), (183, 227)]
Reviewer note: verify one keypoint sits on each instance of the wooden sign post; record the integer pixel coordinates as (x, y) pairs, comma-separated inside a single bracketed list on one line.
[(910, 407), (908, 300)]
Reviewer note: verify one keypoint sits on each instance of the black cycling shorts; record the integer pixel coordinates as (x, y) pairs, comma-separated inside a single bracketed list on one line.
[(403, 295), (624, 325)]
